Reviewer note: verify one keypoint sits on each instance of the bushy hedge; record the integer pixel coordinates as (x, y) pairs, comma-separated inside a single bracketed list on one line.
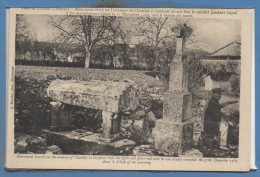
[(49, 63)]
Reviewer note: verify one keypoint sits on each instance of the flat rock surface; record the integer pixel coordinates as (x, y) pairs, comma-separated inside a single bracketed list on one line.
[(85, 142)]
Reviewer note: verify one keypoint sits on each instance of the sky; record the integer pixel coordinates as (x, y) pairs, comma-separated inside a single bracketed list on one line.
[(212, 33)]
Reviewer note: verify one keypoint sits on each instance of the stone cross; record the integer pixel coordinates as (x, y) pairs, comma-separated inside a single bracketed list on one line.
[(178, 69), (180, 42), (174, 133)]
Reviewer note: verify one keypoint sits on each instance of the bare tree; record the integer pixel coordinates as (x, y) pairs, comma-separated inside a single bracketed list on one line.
[(21, 25), (155, 33), (23, 36), (87, 31)]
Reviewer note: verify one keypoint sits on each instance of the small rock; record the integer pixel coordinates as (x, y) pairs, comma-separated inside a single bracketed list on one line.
[(126, 124), (151, 116), (150, 140), (192, 153), (149, 123), (21, 146), (50, 77), (138, 125), (146, 102), (53, 150)]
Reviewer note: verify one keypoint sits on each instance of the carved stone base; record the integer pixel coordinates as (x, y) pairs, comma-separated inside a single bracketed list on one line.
[(173, 138)]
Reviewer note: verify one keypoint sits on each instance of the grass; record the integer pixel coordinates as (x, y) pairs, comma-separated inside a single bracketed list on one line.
[(40, 73)]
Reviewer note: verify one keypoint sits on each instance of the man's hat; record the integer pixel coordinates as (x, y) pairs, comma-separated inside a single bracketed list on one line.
[(217, 90)]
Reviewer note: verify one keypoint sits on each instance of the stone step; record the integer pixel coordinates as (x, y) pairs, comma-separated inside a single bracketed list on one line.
[(88, 143)]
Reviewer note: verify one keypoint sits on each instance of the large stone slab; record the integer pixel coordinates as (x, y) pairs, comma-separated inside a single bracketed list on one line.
[(89, 143), (173, 138), (103, 95), (177, 106)]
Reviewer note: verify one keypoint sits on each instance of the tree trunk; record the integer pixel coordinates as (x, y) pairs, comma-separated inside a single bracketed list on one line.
[(87, 58), (157, 59)]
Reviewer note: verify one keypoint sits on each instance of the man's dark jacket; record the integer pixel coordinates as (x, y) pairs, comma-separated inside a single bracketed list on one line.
[(212, 117)]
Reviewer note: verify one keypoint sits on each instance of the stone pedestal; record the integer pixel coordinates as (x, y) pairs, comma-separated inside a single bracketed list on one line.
[(174, 133), (173, 138), (176, 106)]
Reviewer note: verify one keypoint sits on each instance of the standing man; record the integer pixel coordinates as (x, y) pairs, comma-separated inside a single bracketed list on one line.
[(212, 118)]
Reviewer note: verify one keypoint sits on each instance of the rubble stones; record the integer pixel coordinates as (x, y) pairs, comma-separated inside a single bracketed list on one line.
[(21, 146), (147, 150), (21, 143), (151, 116), (126, 123), (37, 145), (146, 103), (25, 143), (138, 125)]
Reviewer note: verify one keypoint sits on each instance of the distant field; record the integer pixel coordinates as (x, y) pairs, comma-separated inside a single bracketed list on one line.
[(40, 73)]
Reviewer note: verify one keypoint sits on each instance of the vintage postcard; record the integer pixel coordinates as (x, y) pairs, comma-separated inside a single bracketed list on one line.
[(129, 89)]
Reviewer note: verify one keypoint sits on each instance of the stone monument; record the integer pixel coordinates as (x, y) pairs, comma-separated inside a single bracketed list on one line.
[(174, 132)]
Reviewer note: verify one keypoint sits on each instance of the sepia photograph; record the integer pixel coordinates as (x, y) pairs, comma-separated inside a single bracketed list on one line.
[(127, 85)]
